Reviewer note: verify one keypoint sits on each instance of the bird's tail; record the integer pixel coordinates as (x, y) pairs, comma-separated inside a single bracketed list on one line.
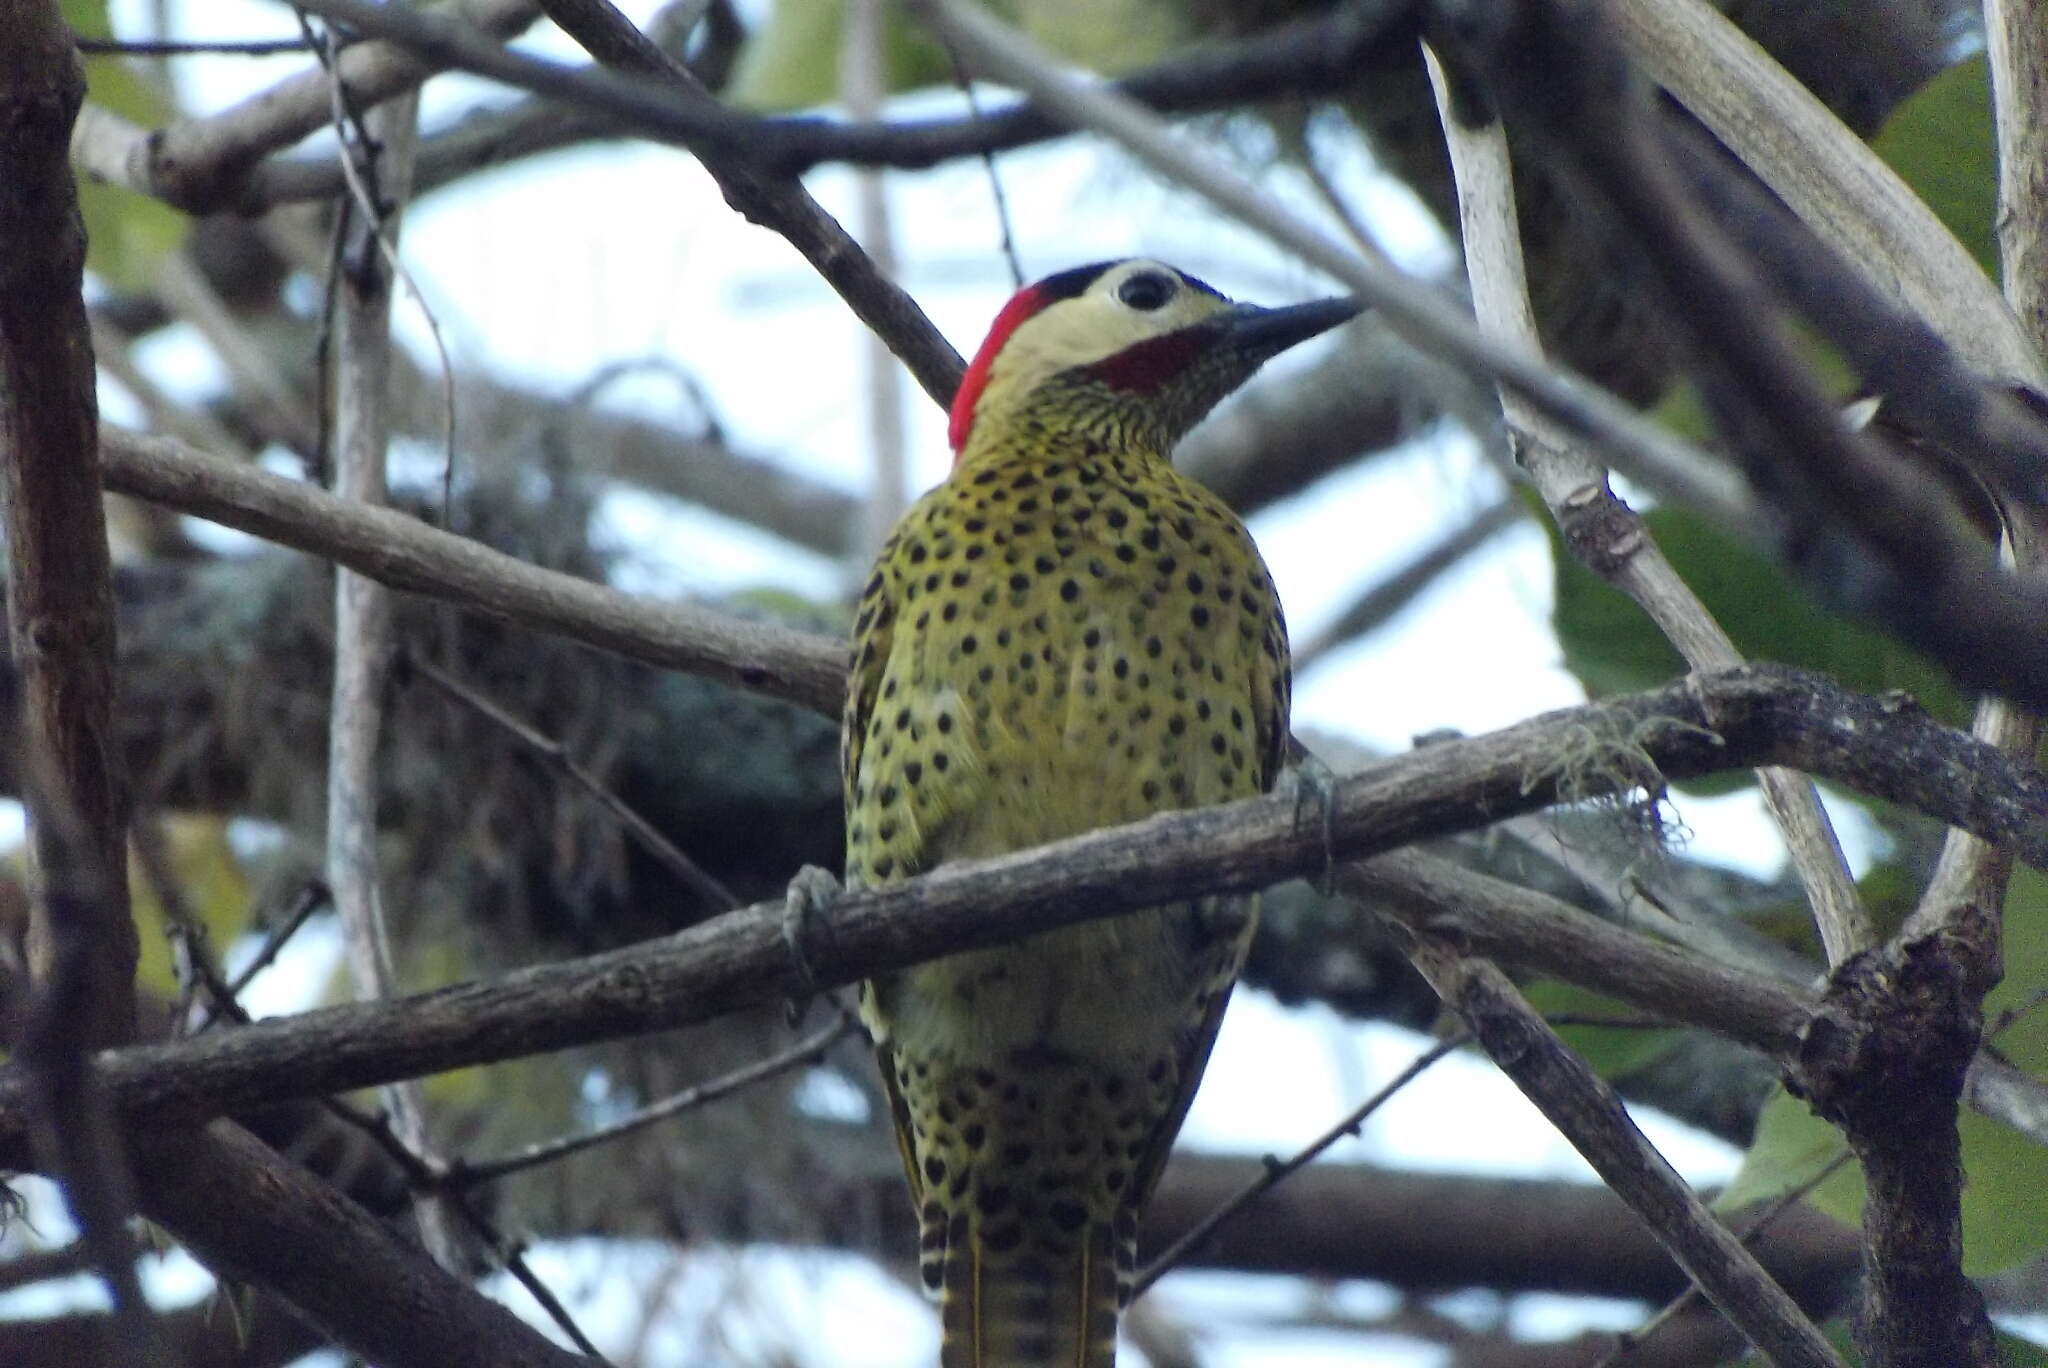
[(1028, 1307)]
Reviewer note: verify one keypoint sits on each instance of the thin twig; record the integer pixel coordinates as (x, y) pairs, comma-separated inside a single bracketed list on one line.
[(466, 1173), (310, 899), (1276, 1170), (425, 1176), (1389, 596), (666, 853), (965, 84), (187, 47)]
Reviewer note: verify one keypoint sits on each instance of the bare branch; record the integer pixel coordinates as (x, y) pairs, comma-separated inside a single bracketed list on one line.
[(1304, 58), (551, 752), (1830, 177), (202, 165), (257, 1218), (1389, 596), (1701, 725), (82, 946), (468, 1173), (1585, 1109)]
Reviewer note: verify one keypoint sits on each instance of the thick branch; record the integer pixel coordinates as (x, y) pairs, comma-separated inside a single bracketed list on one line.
[(254, 1217), (1588, 1113), (60, 607), (1705, 724), (1884, 1059)]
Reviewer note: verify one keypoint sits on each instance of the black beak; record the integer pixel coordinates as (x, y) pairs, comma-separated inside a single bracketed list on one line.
[(1259, 334)]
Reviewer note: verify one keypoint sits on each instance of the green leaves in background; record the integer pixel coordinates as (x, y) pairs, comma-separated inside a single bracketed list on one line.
[(2005, 1203), (1940, 143), (793, 59), (1613, 1051), (126, 234), (1612, 647), (2013, 1351)]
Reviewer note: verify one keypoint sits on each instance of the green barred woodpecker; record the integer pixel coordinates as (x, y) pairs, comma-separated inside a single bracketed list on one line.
[(1066, 634)]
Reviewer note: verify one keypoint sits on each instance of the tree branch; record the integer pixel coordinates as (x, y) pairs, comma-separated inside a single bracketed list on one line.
[(1700, 725), (203, 165), (1585, 1109), (406, 554), (254, 1217), (82, 946), (1303, 59)]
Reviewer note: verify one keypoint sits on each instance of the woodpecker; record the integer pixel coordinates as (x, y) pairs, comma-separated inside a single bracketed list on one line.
[(1066, 634)]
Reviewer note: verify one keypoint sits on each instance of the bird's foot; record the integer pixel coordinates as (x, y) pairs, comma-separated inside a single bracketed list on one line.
[(810, 892), (1314, 784)]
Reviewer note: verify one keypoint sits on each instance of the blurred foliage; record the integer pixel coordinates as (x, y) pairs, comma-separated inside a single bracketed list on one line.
[(1614, 1051), (2005, 1204), (126, 234), (793, 58), (1940, 143), (210, 884), (2013, 1351), (1613, 648)]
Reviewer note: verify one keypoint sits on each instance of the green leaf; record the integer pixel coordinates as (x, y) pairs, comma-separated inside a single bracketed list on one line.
[(1614, 1052), (1613, 647), (2016, 1352), (126, 234), (792, 60), (1940, 143), (2005, 1203)]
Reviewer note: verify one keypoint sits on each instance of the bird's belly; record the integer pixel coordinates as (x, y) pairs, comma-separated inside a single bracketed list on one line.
[(1110, 993)]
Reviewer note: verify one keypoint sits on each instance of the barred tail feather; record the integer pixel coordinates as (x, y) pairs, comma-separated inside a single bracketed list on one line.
[(1029, 1308)]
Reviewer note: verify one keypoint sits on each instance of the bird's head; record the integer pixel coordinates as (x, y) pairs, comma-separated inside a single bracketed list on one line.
[(1134, 349)]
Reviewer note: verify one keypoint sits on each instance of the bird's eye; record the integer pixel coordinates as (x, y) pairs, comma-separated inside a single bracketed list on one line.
[(1146, 290)]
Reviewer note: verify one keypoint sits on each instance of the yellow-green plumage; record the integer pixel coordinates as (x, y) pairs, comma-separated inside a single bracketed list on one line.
[(1066, 634)]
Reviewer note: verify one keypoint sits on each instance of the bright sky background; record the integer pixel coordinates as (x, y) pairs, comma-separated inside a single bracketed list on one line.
[(550, 269)]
